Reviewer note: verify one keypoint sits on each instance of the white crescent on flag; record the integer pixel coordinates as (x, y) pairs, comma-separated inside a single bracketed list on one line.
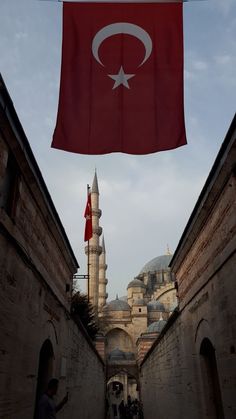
[(121, 78)]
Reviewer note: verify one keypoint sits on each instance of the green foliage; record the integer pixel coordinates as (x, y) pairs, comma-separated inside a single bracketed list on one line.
[(82, 310)]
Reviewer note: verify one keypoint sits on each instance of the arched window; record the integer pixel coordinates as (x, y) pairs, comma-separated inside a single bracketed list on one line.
[(212, 393)]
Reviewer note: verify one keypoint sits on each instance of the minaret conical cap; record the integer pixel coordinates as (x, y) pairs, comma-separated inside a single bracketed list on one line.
[(95, 184), (103, 245)]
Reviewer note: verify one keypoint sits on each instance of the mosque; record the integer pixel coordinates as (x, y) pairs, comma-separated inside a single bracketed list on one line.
[(130, 324)]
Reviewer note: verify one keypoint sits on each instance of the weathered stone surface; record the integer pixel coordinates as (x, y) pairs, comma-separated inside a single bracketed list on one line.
[(177, 380), (36, 264)]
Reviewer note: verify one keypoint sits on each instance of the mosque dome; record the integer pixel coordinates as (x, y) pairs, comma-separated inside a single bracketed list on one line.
[(155, 306), (157, 264), (117, 305), (117, 354), (156, 326), (136, 283)]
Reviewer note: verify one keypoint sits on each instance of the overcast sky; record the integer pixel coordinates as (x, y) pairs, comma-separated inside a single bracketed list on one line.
[(146, 200)]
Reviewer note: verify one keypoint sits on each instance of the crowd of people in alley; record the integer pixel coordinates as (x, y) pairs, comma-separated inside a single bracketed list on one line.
[(130, 410)]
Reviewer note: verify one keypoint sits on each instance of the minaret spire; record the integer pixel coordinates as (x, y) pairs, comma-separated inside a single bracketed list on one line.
[(95, 184), (102, 277), (94, 249)]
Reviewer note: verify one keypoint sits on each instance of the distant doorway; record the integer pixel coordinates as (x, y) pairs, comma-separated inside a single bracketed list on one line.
[(120, 387), (45, 371), (212, 392)]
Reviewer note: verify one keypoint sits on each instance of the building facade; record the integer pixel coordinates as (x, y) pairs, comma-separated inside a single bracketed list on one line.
[(38, 338), (130, 324), (190, 371)]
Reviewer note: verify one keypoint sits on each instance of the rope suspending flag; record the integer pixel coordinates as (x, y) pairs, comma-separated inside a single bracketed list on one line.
[(121, 78)]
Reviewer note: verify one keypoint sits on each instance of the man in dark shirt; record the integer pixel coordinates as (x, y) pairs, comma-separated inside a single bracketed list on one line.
[(47, 408)]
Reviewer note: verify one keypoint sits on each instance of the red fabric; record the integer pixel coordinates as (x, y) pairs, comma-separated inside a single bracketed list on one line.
[(96, 118), (88, 232)]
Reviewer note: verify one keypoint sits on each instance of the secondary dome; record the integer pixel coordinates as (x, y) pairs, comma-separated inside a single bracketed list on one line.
[(156, 326), (116, 354), (157, 264), (136, 283), (117, 305), (155, 305)]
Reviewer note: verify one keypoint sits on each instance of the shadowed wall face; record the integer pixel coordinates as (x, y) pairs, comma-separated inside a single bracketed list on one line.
[(117, 338)]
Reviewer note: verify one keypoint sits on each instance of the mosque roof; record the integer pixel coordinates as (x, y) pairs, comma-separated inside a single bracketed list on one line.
[(156, 326), (155, 305), (136, 283), (117, 305), (157, 264)]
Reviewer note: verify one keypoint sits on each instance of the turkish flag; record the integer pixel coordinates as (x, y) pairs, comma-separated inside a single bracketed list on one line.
[(121, 78), (88, 232)]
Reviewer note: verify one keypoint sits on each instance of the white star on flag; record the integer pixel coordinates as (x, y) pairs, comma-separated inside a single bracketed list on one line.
[(121, 78)]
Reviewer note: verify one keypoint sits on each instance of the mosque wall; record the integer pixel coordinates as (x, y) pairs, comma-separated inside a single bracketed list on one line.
[(191, 369), (36, 276), (117, 338)]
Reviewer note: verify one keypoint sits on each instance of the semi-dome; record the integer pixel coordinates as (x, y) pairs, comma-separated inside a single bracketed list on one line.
[(155, 306), (156, 326), (136, 283), (157, 264), (117, 305)]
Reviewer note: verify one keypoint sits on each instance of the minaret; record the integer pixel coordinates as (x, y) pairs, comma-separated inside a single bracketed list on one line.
[(102, 295), (94, 249)]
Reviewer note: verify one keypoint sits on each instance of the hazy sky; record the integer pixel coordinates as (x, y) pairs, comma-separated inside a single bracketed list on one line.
[(146, 200)]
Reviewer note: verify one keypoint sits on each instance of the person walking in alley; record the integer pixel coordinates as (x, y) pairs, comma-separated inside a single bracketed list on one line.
[(47, 407), (122, 410)]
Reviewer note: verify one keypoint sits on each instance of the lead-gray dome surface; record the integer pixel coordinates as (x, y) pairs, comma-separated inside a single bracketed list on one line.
[(136, 283), (156, 326), (117, 305), (155, 305), (157, 264)]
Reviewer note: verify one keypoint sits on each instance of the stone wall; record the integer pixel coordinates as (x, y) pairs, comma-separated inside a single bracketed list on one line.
[(180, 378), (36, 277), (30, 315)]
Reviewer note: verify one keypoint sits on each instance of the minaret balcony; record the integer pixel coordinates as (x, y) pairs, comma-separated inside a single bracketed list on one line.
[(97, 230), (93, 249), (103, 281), (103, 266), (96, 212)]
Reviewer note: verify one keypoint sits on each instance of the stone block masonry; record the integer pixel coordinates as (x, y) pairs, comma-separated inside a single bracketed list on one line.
[(38, 338), (190, 371)]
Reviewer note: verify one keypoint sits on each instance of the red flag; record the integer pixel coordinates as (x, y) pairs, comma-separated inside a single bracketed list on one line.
[(88, 232), (121, 78)]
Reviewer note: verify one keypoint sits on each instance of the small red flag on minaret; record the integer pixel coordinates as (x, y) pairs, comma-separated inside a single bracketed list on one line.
[(88, 232)]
